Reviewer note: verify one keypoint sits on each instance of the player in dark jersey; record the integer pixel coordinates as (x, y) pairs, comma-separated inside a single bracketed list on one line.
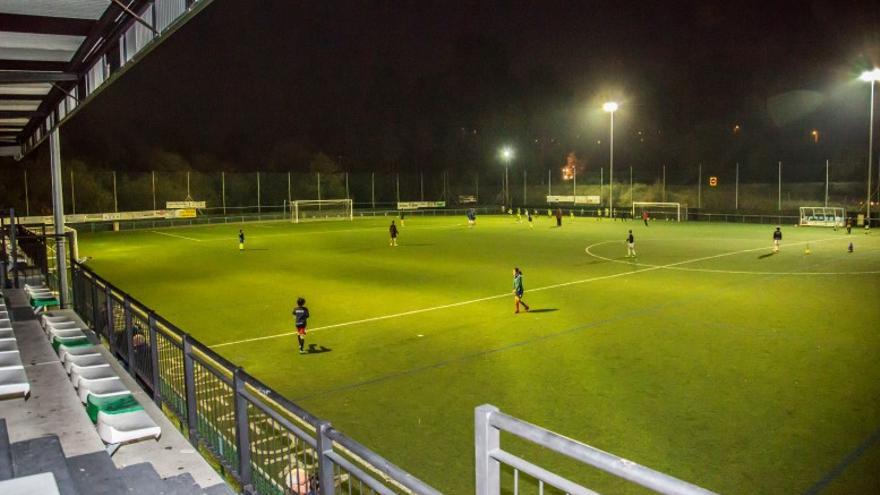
[(529, 215), (777, 238), (630, 245), (518, 290), (393, 231), (240, 240), (301, 316), (559, 217)]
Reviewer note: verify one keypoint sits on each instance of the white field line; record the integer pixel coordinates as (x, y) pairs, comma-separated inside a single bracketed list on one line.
[(177, 236), (497, 296)]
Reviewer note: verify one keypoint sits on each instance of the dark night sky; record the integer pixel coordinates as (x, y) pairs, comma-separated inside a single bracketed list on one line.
[(404, 85)]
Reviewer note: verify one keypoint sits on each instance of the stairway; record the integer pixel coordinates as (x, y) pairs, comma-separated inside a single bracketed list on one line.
[(90, 474)]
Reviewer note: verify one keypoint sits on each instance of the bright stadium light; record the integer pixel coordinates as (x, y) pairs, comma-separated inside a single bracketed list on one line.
[(507, 154), (870, 76), (611, 107)]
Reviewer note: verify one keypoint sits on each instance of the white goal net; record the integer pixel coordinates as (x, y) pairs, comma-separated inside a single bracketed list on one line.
[(657, 211), (324, 209), (822, 216)]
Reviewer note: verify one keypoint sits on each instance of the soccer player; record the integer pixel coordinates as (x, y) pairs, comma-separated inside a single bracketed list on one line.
[(393, 231), (240, 240), (518, 290), (630, 245), (559, 217), (519, 215), (777, 238), (402, 218), (472, 217), (301, 316), (848, 226), (645, 217), (529, 216)]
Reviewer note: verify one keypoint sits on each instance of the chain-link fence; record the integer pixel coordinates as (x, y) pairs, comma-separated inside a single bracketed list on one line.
[(728, 190)]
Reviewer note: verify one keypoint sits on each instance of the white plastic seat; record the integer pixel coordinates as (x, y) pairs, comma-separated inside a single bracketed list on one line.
[(101, 389), (8, 345), (59, 325), (86, 361), (45, 319), (127, 427), (82, 350), (10, 360), (67, 333), (89, 375), (14, 382)]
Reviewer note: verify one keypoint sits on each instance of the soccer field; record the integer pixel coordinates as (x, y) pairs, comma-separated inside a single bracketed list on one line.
[(707, 357)]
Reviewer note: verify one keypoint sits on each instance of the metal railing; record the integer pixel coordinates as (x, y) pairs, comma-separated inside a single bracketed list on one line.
[(490, 422), (267, 443)]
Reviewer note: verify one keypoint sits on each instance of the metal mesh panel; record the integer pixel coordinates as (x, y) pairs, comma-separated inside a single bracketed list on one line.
[(215, 408), (101, 326), (117, 329), (172, 386), (140, 343), (282, 463)]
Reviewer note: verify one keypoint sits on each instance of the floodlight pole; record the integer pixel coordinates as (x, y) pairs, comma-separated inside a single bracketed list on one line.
[(700, 186), (398, 186), (631, 184), (826, 183), (258, 190), (574, 185), (222, 190), (506, 182), (525, 176), (153, 185), (779, 193), (610, 169), (549, 183), (421, 186), (288, 187), (736, 189), (115, 202), (870, 152), (373, 189), (664, 183), (58, 214)]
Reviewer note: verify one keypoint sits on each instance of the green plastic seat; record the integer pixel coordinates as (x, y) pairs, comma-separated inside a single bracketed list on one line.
[(118, 404)]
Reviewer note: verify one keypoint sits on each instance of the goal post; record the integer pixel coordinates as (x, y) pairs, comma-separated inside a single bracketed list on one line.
[(667, 210), (822, 216), (321, 209)]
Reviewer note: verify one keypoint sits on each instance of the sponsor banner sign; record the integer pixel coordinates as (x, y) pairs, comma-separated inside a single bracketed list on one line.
[(173, 205), (185, 213), (580, 200), (414, 205), (104, 217)]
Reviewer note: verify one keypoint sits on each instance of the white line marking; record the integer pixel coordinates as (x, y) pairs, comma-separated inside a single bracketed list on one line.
[(731, 272), (177, 236), (489, 298)]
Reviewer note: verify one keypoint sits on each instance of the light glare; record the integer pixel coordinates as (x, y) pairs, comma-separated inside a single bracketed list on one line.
[(870, 75), (610, 106)]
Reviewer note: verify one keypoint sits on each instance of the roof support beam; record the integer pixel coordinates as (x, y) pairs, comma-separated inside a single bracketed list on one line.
[(15, 114), (32, 76), (45, 25), (32, 65)]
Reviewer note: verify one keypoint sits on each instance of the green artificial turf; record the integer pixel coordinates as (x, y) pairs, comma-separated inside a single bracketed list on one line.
[(705, 358)]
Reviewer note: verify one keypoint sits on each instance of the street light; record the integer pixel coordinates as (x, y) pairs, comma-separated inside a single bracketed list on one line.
[(870, 76), (611, 107), (507, 154)]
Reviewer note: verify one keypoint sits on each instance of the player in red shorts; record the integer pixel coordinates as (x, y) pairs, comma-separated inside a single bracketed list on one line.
[(301, 315)]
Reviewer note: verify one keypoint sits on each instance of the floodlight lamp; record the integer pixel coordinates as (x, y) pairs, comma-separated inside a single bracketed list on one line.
[(870, 75), (507, 153), (610, 107)]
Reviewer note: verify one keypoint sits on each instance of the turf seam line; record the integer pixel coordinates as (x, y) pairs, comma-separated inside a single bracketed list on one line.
[(177, 236), (850, 458), (487, 298)]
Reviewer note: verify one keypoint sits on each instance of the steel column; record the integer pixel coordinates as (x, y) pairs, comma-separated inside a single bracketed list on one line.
[(242, 431), (58, 213)]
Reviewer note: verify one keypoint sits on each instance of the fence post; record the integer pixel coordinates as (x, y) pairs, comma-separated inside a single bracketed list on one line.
[(325, 464), (242, 432), (487, 440), (154, 358), (111, 332), (96, 311), (129, 337), (189, 381)]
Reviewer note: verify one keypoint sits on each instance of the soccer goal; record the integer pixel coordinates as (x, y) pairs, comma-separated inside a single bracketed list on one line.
[(661, 211), (822, 216), (322, 209)]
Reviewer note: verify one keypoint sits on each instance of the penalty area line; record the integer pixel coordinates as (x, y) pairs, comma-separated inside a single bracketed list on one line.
[(176, 236), (483, 299)]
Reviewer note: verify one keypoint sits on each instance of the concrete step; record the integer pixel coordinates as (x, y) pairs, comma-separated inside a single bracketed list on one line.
[(183, 484), (42, 455), (96, 474), (5, 453), (140, 478)]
